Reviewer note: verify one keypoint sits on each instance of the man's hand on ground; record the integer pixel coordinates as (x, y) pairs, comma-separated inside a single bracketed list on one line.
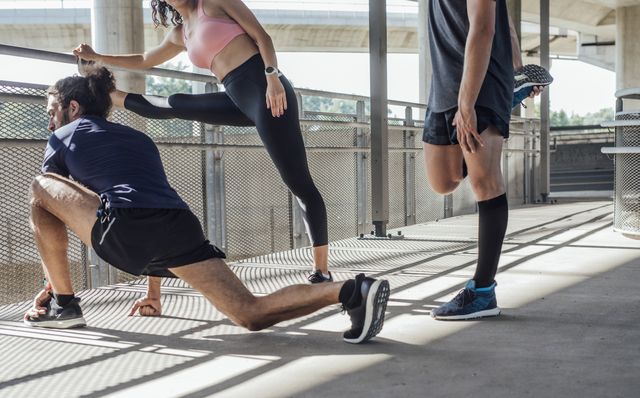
[(147, 307)]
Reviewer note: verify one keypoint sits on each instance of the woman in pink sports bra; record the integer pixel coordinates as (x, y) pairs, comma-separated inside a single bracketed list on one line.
[(225, 37)]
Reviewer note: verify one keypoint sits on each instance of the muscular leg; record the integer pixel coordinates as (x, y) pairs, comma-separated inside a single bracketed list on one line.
[(321, 258), (58, 203), (283, 140), (485, 172), (487, 182), (225, 291), (443, 165)]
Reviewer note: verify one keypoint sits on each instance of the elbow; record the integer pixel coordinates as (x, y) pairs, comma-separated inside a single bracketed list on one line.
[(142, 62), (487, 32), (483, 32)]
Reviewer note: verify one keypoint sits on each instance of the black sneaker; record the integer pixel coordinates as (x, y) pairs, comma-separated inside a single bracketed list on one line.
[(317, 277), (57, 317), (525, 79), (366, 308)]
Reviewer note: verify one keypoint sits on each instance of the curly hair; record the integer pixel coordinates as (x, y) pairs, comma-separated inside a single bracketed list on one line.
[(91, 92), (161, 8)]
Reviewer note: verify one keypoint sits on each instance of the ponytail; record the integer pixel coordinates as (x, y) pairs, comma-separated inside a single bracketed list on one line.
[(92, 92)]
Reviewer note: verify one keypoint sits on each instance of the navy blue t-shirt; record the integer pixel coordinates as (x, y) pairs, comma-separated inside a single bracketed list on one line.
[(115, 161)]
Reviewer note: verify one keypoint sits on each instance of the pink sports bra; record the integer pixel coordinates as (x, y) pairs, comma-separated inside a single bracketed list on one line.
[(209, 38)]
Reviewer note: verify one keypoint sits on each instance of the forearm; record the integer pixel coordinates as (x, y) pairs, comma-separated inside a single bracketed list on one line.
[(515, 47), (476, 63), (268, 52), (153, 287), (133, 61)]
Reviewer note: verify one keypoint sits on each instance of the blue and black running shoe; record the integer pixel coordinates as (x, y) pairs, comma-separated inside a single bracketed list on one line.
[(469, 303), (526, 79)]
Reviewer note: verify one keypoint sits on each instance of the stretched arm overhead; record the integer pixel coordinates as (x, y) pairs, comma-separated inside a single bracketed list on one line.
[(171, 46)]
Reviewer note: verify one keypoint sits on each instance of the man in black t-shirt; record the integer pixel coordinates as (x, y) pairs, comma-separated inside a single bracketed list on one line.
[(106, 182), (467, 120)]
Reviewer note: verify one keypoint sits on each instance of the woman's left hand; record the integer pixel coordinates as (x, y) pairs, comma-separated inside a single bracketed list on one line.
[(276, 96)]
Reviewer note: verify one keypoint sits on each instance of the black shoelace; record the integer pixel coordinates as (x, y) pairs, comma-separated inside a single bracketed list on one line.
[(464, 296)]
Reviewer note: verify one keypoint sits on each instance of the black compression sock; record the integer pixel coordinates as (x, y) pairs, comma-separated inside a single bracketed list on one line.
[(63, 299), (346, 292), (493, 217)]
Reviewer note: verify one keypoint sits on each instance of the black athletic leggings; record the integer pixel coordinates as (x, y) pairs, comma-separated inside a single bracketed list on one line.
[(243, 104)]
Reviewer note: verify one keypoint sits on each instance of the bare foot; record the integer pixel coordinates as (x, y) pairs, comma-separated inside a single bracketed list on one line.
[(117, 97)]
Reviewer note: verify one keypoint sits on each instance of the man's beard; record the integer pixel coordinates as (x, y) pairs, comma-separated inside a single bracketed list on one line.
[(65, 117)]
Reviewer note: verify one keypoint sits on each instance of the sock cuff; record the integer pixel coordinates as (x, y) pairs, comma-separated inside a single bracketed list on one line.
[(346, 291), (498, 201), (63, 299), (486, 288)]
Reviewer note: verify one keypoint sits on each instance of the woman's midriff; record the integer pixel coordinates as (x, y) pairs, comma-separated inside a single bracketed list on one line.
[(240, 49)]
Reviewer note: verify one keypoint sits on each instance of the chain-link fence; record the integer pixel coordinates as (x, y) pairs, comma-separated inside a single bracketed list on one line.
[(230, 183)]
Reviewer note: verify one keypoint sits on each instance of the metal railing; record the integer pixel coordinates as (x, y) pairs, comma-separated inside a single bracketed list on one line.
[(230, 183), (570, 135)]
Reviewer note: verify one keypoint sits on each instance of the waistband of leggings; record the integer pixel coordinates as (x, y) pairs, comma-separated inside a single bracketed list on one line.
[(252, 65)]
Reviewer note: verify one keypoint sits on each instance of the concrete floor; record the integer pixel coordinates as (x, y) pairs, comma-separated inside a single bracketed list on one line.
[(570, 325)]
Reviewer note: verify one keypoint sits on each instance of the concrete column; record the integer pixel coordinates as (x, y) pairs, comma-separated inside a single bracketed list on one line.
[(117, 28), (545, 62), (424, 54), (627, 50), (379, 116)]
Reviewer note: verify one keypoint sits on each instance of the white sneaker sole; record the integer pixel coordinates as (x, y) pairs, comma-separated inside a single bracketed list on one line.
[(64, 324), (374, 316), (475, 315)]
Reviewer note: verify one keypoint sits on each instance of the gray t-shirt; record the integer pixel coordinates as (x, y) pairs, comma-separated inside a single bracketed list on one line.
[(448, 30)]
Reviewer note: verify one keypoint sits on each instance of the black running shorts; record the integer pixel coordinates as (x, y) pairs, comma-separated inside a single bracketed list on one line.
[(438, 128), (149, 241)]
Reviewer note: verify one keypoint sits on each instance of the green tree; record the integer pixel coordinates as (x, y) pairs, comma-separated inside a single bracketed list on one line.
[(166, 86), (560, 118), (332, 105)]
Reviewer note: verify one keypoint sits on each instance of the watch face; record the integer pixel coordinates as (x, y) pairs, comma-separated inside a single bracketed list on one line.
[(270, 69)]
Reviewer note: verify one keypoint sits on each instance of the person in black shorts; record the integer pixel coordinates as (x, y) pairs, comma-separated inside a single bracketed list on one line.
[(106, 182), (474, 52)]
